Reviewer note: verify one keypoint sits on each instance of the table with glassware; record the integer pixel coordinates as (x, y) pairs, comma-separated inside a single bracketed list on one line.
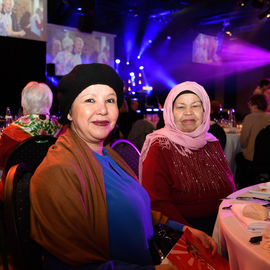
[(232, 233)]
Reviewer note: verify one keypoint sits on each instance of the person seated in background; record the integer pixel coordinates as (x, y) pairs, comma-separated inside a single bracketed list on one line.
[(141, 128), (128, 116), (123, 121), (264, 88), (36, 102), (216, 108), (160, 123), (97, 215), (215, 128), (182, 166), (253, 123)]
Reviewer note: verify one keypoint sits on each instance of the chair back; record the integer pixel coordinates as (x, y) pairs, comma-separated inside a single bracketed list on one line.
[(261, 159), (25, 253), (219, 133), (129, 152), (31, 151)]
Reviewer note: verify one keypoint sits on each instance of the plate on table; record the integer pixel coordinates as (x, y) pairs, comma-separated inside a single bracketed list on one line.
[(263, 189)]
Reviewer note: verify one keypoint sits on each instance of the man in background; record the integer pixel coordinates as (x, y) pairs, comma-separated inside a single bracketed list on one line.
[(77, 51), (10, 19), (264, 88)]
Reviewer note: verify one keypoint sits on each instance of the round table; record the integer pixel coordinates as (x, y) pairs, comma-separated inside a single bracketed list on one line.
[(233, 239)]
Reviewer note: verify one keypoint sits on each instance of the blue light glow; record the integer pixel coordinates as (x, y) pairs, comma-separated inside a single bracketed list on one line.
[(151, 31), (131, 28)]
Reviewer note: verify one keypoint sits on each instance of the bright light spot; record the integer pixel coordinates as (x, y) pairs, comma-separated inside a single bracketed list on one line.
[(117, 61), (169, 37), (141, 67), (127, 63), (132, 74)]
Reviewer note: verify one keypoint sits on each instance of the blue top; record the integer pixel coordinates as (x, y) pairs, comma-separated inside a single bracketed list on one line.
[(129, 221), (129, 214)]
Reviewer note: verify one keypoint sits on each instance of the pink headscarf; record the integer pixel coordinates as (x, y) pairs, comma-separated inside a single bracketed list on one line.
[(189, 140)]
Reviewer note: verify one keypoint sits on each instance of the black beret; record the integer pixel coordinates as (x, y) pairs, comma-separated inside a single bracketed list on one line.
[(82, 76)]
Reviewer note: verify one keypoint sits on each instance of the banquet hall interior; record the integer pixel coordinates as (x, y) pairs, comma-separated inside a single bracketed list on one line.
[(152, 44)]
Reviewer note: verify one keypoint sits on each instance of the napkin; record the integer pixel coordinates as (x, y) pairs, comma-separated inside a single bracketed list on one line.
[(253, 225)]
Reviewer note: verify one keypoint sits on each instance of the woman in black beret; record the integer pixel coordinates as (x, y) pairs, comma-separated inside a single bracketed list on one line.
[(88, 210)]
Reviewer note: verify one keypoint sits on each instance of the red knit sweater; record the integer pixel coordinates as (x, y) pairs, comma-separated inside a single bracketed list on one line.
[(184, 187)]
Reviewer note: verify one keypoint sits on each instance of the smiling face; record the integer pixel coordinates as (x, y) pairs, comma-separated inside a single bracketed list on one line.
[(8, 4), (93, 114), (188, 112)]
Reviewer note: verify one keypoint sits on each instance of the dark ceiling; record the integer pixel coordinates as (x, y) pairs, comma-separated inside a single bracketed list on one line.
[(109, 15)]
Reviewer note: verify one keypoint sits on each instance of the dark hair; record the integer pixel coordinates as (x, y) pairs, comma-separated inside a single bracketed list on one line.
[(264, 82), (187, 92), (182, 93), (260, 101)]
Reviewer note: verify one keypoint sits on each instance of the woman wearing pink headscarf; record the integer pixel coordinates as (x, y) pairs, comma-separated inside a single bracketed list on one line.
[(182, 166)]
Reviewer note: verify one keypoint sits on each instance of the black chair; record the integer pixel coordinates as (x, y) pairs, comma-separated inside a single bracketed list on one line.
[(25, 253), (129, 152), (219, 133), (261, 159), (31, 151), (3, 247)]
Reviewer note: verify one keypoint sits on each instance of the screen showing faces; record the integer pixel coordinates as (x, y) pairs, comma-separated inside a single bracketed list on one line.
[(206, 49), (23, 19), (68, 47)]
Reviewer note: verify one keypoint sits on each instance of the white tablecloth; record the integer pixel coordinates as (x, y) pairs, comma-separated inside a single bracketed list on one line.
[(233, 239), (232, 147)]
